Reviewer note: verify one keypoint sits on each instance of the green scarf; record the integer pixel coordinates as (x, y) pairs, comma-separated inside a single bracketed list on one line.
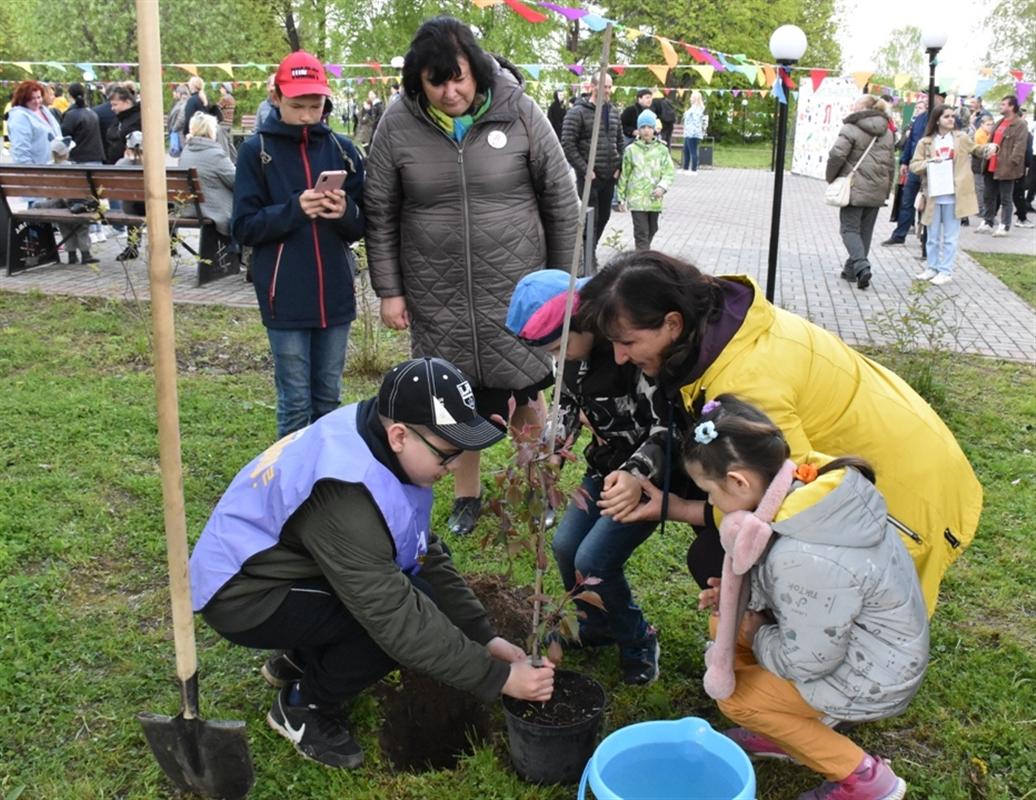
[(457, 127)]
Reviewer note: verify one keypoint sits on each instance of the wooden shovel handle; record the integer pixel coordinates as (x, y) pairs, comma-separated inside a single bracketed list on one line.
[(160, 276)]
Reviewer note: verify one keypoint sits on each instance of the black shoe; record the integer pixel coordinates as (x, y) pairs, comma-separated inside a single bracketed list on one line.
[(864, 280), (317, 735), (128, 254), (640, 662), (848, 275), (966, 222), (465, 513), (72, 258), (86, 257), (890, 242), (281, 669)]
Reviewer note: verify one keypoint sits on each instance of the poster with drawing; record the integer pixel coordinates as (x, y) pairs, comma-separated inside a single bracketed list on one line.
[(818, 121)]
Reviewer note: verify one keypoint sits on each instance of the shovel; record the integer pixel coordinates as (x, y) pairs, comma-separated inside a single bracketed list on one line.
[(206, 758)]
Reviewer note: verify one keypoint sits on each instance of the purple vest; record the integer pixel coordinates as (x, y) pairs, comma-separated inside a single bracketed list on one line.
[(249, 517)]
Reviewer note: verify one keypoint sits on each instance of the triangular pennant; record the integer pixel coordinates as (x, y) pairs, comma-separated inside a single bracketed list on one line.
[(735, 92), (189, 68), (817, 76), (763, 92), (760, 76), (374, 65), (861, 78), (748, 71), (696, 54), (571, 14), (727, 66), (985, 72), (25, 65), (1017, 74), (786, 75), (575, 68), (595, 22), (680, 93), (526, 13), (668, 53), (984, 85), (705, 71), (227, 68), (1022, 90), (618, 69), (487, 3), (88, 71), (532, 69), (794, 95), (770, 73), (56, 65), (334, 69), (661, 71), (778, 92), (711, 59)]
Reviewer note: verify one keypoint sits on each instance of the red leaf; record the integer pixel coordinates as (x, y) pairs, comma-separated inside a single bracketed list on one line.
[(592, 598), (581, 498), (554, 652)]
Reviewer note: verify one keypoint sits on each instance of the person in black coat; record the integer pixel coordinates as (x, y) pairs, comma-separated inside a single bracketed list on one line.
[(127, 120), (104, 112), (82, 125), (631, 112), (556, 113), (195, 103)]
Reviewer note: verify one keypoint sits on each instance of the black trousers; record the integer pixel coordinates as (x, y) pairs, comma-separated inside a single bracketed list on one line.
[(601, 194), (338, 656), (645, 226), (1021, 205), (998, 194)]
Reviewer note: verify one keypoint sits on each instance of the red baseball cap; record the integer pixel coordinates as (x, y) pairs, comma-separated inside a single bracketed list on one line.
[(302, 73)]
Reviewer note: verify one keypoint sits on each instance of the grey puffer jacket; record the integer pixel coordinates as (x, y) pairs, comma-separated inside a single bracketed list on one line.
[(852, 627), (577, 132), (216, 172), (454, 226), (873, 180)]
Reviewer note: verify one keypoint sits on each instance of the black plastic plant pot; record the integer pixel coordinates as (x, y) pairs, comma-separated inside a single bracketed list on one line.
[(551, 742)]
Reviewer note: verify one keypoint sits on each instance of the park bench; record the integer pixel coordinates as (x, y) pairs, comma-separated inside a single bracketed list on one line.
[(26, 240), (240, 134)]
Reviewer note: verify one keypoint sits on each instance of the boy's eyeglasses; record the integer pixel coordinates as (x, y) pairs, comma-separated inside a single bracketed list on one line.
[(444, 458)]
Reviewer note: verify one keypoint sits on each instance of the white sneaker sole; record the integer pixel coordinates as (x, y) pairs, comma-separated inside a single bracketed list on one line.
[(283, 732)]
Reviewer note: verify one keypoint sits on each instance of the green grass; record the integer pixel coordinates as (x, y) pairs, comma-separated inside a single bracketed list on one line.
[(1017, 271), (84, 621)]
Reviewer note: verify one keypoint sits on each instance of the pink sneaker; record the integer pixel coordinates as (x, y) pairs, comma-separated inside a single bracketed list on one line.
[(755, 745), (872, 780)]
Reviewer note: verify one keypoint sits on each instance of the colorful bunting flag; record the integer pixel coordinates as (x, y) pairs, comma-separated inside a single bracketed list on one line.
[(334, 69), (705, 71), (861, 78), (618, 69), (696, 54), (817, 76), (771, 74), (661, 71), (532, 69), (632, 34), (55, 65), (595, 22), (570, 14), (668, 53), (575, 68), (1022, 90), (25, 65), (487, 3), (1018, 74), (227, 68), (192, 69), (526, 13), (778, 92)]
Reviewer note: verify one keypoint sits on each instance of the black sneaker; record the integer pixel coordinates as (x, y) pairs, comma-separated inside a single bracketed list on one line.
[(317, 735), (891, 242), (128, 254), (465, 513), (72, 257), (640, 662), (848, 275), (864, 280), (281, 668), (86, 257)]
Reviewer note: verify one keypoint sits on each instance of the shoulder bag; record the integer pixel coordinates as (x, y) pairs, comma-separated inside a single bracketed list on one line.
[(840, 189)]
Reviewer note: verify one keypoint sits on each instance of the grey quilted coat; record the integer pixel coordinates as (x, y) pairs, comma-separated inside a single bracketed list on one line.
[(852, 625), (873, 180), (454, 227)]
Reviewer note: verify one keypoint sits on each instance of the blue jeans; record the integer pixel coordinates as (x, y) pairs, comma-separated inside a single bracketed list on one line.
[(599, 547), (907, 212), (690, 153), (943, 233), (307, 369)]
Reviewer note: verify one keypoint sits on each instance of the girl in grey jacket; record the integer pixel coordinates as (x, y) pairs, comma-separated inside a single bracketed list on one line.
[(835, 627)]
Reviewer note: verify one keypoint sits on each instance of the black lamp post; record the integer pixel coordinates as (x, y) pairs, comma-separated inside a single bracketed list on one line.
[(933, 40), (787, 44)]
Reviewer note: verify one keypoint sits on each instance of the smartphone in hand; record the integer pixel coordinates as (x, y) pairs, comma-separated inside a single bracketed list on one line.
[(330, 180)]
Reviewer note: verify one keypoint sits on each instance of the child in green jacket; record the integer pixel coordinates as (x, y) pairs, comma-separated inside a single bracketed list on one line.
[(647, 173)]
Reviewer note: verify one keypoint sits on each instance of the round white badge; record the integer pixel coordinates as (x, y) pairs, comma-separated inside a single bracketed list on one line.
[(497, 139)]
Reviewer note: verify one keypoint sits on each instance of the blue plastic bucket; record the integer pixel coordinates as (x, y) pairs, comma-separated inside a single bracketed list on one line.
[(681, 759)]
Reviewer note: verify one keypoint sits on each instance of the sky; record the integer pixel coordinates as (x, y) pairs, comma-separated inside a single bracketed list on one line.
[(866, 24)]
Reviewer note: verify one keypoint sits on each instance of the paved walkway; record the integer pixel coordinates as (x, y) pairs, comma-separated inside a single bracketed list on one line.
[(720, 220)]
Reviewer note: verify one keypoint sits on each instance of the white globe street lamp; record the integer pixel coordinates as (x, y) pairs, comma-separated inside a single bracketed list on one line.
[(933, 39)]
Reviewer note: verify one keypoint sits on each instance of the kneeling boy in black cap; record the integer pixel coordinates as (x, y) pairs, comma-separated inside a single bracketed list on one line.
[(322, 547)]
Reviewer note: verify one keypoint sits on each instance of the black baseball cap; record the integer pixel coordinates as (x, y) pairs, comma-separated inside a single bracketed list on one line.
[(434, 393)]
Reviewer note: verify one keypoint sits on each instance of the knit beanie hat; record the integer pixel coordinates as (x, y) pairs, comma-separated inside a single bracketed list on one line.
[(647, 117)]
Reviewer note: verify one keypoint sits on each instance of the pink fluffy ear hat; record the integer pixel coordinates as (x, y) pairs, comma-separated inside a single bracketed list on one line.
[(744, 536)]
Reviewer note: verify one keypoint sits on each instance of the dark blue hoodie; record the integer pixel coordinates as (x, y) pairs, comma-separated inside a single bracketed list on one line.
[(302, 268)]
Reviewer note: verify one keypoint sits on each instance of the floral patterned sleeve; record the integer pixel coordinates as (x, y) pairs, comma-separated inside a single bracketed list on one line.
[(648, 460)]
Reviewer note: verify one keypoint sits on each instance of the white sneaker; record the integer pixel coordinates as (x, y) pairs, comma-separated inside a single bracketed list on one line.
[(1025, 223), (985, 227), (942, 279), (927, 275), (1000, 232)]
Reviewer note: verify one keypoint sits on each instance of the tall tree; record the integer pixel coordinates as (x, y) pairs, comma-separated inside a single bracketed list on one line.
[(1013, 23), (902, 54)]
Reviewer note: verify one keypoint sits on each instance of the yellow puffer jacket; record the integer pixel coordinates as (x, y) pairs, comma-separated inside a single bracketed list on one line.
[(825, 396)]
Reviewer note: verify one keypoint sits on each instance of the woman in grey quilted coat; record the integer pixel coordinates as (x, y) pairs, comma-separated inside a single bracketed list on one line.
[(467, 191), (868, 122)]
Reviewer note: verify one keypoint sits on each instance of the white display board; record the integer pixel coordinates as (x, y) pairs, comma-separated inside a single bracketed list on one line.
[(818, 121)]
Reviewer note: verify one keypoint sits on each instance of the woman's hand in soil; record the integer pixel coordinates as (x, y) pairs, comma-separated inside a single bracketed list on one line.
[(527, 682), (503, 650), (709, 598), (620, 495)]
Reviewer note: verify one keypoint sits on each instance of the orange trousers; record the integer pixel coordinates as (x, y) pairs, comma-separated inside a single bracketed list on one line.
[(771, 706)]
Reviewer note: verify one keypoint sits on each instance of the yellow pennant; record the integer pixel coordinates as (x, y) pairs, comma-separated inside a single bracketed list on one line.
[(191, 68), (668, 53), (661, 71), (632, 34), (486, 3), (705, 70), (227, 68), (862, 78), (26, 65)]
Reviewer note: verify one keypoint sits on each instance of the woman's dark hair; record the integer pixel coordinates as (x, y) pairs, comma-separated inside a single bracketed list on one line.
[(641, 288), (77, 93), (436, 47), (745, 437), (122, 93), (933, 119)]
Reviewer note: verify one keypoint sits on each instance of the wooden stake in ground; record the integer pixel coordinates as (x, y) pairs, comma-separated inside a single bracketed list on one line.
[(207, 758)]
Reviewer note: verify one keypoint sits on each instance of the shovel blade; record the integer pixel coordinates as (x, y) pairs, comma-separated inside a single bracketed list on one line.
[(210, 759)]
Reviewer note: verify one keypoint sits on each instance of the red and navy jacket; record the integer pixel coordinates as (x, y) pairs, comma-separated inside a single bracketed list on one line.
[(302, 268)]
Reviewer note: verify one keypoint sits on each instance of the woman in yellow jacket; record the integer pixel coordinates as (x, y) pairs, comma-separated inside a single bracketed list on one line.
[(945, 205), (699, 336)]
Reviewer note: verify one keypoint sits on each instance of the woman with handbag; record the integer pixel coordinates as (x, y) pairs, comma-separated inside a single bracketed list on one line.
[(943, 160), (860, 169)]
